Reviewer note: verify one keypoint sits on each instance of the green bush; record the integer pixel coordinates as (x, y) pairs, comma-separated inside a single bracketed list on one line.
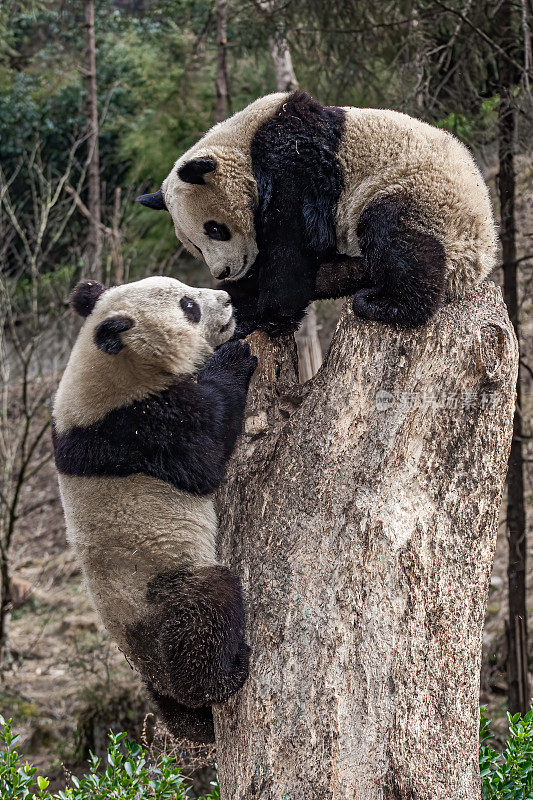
[(129, 775), (509, 775)]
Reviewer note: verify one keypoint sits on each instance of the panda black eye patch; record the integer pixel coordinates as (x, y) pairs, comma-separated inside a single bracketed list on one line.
[(191, 309), (217, 231)]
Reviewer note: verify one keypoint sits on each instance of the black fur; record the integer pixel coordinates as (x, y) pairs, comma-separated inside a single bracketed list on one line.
[(84, 296), (339, 278), (193, 171), (107, 333), (299, 183), (191, 309), (153, 200), (404, 264), (193, 724), (217, 231), (192, 643), (183, 435)]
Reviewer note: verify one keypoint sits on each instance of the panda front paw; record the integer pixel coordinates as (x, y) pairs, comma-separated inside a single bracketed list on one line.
[(235, 357), (374, 304)]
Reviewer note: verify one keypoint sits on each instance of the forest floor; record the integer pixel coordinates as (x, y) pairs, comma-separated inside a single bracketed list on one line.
[(69, 683)]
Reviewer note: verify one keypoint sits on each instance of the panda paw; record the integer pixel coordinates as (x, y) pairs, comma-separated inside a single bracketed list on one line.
[(193, 724), (235, 357), (372, 304)]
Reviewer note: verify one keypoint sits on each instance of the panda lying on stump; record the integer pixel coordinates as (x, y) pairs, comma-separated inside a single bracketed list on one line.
[(145, 419), (275, 198)]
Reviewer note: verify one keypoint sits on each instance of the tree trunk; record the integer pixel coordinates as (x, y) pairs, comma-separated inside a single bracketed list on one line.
[(94, 240), (221, 79), (517, 672), (286, 80), (360, 511), (116, 240), (5, 610)]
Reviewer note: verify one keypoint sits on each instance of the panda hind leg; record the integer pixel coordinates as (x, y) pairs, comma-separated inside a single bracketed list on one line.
[(200, 634), (405, 264)]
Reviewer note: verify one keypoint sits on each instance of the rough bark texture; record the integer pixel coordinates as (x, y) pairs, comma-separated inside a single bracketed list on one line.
[(360, 512), (517, 672), (94, 240)]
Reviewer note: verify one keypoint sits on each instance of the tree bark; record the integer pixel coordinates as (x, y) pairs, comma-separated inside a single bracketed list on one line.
[(221, 78), (360, 511), (94, 239), (518, 698)]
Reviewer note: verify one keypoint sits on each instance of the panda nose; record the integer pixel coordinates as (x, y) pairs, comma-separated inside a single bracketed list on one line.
[(223, 274), (225, 299)]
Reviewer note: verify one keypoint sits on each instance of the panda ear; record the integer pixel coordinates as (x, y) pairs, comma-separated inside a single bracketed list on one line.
[(153, 200), (84, 296), (193, 171), (107, 333)]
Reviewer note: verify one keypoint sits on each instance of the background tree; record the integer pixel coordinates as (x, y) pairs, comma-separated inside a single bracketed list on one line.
[(94, 239), (222, 86), (29, 354), (517, 667)]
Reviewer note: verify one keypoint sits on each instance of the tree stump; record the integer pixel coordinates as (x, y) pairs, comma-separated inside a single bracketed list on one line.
[(360, 511)]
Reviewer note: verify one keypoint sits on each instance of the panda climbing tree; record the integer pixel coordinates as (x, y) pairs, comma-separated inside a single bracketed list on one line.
[(145, 418)]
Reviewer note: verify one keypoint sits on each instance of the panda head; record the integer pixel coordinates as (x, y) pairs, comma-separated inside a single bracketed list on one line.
[(156, 325), (137, 339), (211, 197)]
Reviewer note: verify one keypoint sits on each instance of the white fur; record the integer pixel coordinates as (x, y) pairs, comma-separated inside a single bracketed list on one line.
[(127, 530)]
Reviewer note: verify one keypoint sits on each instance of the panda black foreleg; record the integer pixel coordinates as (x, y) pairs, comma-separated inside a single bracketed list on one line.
[(227, 376), (341, 277), (244, 295), (287, 280), (405, 264)]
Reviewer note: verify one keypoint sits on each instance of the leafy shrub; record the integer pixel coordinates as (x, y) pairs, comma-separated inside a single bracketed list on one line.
[(128, 775), (509, 775)]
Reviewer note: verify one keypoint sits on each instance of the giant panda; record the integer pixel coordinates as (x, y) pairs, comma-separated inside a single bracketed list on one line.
[(144, 421), (275, 197)]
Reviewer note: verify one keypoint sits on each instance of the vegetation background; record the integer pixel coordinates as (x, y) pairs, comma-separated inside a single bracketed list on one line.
[(165, 69)]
